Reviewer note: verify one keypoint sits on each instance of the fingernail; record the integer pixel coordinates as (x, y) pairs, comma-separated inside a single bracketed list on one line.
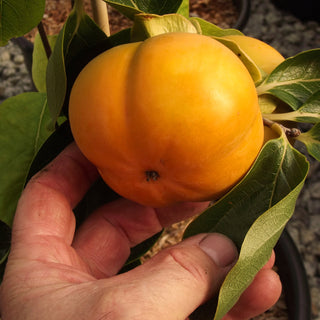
[(220, 249)]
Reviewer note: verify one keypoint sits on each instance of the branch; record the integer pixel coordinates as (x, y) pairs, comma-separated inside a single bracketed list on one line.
[(100, 15), (290, 132), (44, 39)]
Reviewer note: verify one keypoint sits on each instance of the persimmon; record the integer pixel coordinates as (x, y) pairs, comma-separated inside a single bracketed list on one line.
[(263, 55), (173, 118), (269, 134)]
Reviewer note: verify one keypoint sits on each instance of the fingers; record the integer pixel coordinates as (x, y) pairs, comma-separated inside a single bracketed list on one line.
[(169, 215), (105, 238), (45, 207), (174, 282)]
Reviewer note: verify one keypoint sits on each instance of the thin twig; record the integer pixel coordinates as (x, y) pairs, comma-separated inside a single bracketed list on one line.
[(44, 39), (290, 132), (100, 15)]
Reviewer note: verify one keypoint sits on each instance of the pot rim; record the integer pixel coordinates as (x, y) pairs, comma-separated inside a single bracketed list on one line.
[(293, 277), (244, 11)]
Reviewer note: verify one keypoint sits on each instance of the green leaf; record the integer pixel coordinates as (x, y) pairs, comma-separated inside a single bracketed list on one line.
[(56, 78), (184, 8), (24, 123), (210, 29), (131, 7), (149, 25), (121, 37), (312, 141), (127, 8), (138, 251), (19, 17), (309, 112), (267, 103), (295, 80), (254, 214), (40, 62), (255, 72), (79, 41), (256, 250)]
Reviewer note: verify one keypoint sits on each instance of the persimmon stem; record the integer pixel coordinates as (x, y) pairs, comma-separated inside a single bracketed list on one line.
[(290, 132), (44, 39), (100, 15)]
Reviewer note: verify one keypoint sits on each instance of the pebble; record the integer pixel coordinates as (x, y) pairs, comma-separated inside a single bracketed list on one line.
[(15, 78)]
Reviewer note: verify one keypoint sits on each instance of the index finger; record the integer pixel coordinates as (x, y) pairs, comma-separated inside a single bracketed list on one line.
[(45, 206)]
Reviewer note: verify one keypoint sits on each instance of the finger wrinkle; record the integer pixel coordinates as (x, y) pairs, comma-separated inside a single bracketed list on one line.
[(70, 174), (42, 210), (135, 222)]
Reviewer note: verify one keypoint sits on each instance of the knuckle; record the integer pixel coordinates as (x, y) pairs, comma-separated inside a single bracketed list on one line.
[(193, 262)]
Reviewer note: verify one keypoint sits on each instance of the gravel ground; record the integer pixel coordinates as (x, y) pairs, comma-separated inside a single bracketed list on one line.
[(290, 36)]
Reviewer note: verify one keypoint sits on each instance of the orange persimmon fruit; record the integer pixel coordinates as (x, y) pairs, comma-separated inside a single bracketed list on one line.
[(263, 55), (173, 118)]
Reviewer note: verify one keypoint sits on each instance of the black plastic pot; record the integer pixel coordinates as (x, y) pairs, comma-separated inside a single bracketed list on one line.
[(294, 279), (243, 7)]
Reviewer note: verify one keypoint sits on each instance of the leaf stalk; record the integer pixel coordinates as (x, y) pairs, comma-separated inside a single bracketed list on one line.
[(44, 39), (289, 132), (286, 116)]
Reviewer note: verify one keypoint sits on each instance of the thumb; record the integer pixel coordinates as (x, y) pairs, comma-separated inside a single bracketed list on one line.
[(177, 280)]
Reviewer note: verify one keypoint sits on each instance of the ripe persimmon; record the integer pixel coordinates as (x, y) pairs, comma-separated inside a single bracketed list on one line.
[(173, 118), (263, 55)]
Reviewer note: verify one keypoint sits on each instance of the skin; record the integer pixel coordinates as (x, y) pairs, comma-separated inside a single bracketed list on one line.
[(56, 273)]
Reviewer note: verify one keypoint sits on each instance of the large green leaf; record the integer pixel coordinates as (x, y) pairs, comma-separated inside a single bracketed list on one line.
[(131, 7), (311, 139), (255, 72), (295, 80), (19, 17), (150, 25), (206, 28), (78, 42), (254, 214), (210, 29), (267, 103), (309, 112), (184, 8), (24, 123), (40, 62)]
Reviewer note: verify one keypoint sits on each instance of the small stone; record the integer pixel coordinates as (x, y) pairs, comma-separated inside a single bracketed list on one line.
[(315, 190), (4, 56), (8, 72), (18, 59), (305, 195), (308, 236), (299, 26), (293, 38), (315, 294), (315, 223), (314, 206), (310, 267)]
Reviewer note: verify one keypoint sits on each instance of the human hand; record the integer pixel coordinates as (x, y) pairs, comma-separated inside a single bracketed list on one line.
[(56, 273)]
